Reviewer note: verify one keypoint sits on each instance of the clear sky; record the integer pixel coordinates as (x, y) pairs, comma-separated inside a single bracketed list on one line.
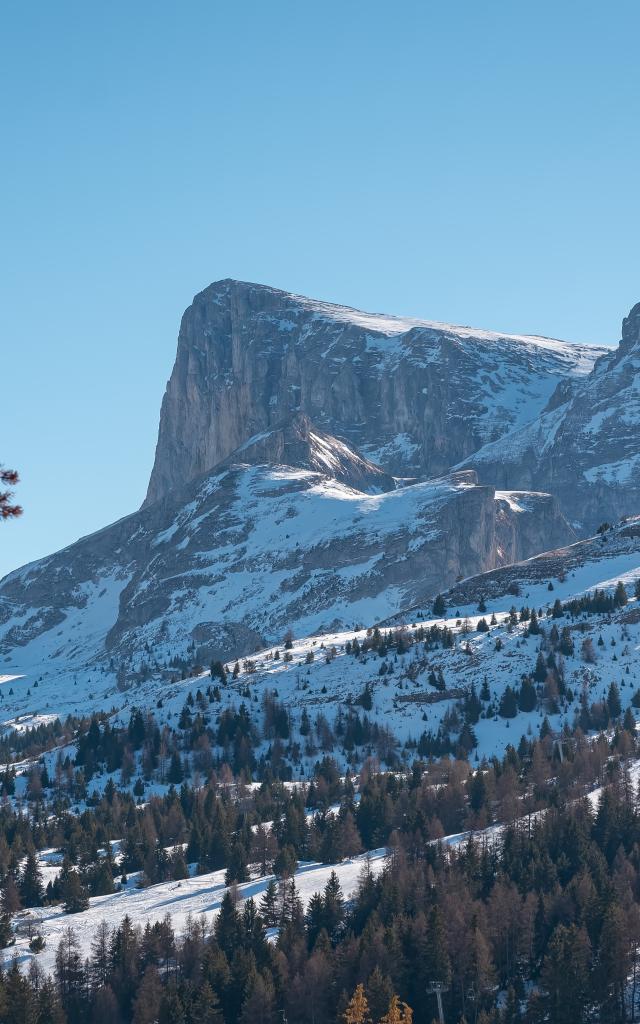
[(477, 163)]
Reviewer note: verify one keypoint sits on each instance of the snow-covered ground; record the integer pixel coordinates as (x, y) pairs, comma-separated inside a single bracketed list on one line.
[(321, 678), (199, 896)]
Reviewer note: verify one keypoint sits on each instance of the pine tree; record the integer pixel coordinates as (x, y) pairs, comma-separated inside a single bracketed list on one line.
[(10, 898), (105, 1009), (348, 838), (269, 904), (70, 976), (6, 931), (614, 964), (237, 865), (613, 701), (227, 927), (567, 646), (124, 958), (205, 1008), (508, 707), (435, 957), (76, 896), (31, 888), (620, 597), (333, 899), (19, 1000), (379, 991), (175, 775), (171, 1009), (286, 862), (527, 698), (146, 1006), (565, 975), (540, 671), (259, 1003), (99, 962), (48, 1007), (439, 606)]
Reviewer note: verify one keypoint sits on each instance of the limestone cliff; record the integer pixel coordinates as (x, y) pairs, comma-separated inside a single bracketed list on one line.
[(414, 397)]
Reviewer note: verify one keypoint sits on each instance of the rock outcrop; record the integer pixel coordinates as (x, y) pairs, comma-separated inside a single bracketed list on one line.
[(299, 443), (585, 446), (414, 397)]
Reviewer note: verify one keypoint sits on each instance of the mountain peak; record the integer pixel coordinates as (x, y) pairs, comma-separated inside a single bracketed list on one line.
[(413, 396), (301, 445), (631, 329)]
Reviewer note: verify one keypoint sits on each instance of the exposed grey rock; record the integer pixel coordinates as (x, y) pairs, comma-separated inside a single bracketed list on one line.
[(248, 551), (550, 566), (415, 397), (585, 447), (298, 443)]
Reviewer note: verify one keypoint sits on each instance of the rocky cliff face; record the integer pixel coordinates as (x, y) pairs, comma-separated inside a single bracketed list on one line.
[(247, 552), (414, 397), (585, 447), (299, 443)]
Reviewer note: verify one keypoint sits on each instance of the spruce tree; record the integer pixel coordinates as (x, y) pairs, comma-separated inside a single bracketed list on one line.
[(613, 701), (508, 707), (30, 887), (205, 1008), (269, 904), (379, 992), (75, 895), (620, 597), (227, 927)]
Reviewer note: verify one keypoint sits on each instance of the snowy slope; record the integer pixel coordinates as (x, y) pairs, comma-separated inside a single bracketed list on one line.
[(199, 897), (245, 553), (322, 677)]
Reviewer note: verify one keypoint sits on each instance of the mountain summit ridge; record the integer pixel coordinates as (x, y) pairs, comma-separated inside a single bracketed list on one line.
[(414, 396)]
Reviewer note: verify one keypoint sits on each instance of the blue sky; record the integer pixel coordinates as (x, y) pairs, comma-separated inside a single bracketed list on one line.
[(473, 163)]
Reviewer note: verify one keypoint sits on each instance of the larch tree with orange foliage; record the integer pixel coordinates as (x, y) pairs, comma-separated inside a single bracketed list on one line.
[(357, 1011), (398, 1013)]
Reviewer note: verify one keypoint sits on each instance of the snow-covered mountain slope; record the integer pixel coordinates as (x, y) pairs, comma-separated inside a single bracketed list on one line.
[(414, 396), (248, 552), (418, 685), (323, 674), (585, 447)]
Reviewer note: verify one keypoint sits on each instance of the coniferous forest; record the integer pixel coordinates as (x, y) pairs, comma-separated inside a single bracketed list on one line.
[(532, 915)]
